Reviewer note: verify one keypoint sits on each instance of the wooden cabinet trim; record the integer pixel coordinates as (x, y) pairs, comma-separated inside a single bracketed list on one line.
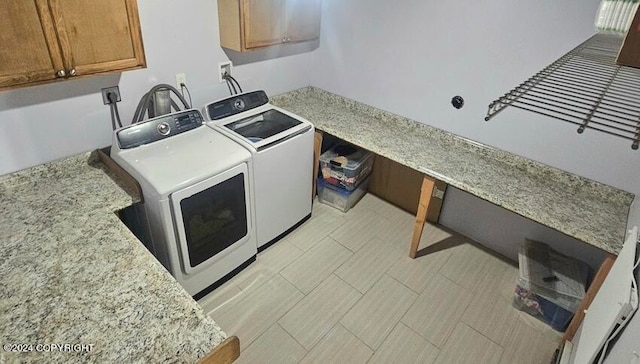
[(242, 23), (111, 66), (136, 33), (33, 77), (229, 24), (63, 37), (48, 28)]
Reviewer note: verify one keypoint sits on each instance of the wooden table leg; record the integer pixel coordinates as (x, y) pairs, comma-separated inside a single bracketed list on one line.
[(605, 267), (317, 148), (421, 216)]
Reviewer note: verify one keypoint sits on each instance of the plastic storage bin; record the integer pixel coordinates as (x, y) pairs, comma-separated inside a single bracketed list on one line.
[(338, 197), (345, 165), (550, 285), (551, 275), (555, 316)]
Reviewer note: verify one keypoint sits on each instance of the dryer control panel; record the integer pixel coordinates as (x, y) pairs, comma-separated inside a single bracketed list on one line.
[(159, 128), (236, 104)]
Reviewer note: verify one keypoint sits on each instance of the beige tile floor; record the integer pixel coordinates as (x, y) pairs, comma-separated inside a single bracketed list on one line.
[(342, 289)]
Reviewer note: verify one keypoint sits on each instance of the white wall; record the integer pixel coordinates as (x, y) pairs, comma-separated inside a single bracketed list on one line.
[(411, 57), (43, 123), (504, 231)]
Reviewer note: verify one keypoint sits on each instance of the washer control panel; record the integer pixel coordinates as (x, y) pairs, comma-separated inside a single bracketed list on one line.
[(236, 104), (159, 128)]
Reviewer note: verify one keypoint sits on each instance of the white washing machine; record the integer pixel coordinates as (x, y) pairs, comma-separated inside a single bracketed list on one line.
[(282, 147), (197, 190)]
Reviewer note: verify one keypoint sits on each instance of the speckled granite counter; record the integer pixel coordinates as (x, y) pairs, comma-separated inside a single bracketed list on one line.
[(72, 273), (587, 210)]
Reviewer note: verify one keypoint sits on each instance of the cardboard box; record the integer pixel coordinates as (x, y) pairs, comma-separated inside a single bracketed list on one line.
[(629, 54)]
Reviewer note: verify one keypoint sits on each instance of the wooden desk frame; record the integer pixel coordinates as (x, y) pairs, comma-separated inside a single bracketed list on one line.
[(598, 279), (426, 193)]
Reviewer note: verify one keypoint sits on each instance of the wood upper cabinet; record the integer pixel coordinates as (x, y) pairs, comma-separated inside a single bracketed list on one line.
[(264, 22), (303, 20), (47, 40), (29, 50), (250, 24)]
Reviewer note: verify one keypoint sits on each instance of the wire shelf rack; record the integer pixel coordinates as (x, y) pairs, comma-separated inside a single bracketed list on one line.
[(584, 87)]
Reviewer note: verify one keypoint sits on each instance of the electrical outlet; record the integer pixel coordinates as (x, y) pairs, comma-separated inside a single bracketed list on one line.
[(107, 90), (180, 79), (224, 67)]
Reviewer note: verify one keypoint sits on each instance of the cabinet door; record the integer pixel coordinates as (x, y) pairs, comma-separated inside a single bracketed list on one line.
[(264, 22), (29, 50), (98, 35), (303, 20)]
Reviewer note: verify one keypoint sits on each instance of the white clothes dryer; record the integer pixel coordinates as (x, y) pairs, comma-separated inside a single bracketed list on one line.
[(198, 197)]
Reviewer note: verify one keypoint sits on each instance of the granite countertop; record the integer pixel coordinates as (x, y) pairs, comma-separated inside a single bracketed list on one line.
[(584, 209), (72, 273)]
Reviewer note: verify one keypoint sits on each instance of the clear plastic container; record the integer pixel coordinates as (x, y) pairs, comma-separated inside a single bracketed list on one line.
[(550, 313), (345, 165), (338, 197), (551, 275)]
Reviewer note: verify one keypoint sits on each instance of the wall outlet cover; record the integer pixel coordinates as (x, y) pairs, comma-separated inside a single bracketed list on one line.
[(181, 78), (107, 90), (224, 67)]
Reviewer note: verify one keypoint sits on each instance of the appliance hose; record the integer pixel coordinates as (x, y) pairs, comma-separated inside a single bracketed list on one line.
[(144, 104)]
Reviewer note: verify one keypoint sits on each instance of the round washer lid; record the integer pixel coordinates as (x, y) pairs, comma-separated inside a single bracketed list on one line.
[(180, 161)]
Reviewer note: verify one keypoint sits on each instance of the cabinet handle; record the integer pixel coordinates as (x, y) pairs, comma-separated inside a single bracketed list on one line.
[(61, 73), (72, 72)]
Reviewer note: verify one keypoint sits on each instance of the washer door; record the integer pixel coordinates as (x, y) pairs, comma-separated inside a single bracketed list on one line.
[(212, 216), (266, 128)]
